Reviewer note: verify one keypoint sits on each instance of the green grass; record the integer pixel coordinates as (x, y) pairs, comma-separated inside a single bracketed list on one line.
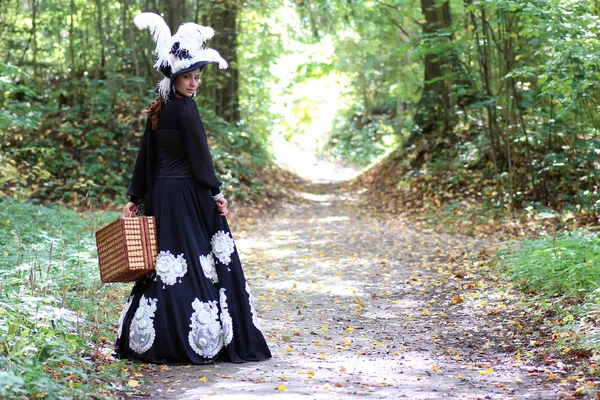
[(568, 265), (562, 278), (57, 320)]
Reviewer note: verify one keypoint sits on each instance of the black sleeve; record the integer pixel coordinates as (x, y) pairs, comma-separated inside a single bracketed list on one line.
[(137, 187), (196, 144)]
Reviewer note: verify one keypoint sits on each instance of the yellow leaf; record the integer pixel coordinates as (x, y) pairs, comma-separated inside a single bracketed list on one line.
[(133, 383), (436, 368), (322, 356), (282, 388), (5, 253), (350, 329), (324, 329), (203, 378)]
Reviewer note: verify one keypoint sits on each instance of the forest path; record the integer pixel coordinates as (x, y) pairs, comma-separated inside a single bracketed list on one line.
[(359, 305)]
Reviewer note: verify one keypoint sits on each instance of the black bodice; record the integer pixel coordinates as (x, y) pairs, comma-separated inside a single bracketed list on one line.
[(172, 155)]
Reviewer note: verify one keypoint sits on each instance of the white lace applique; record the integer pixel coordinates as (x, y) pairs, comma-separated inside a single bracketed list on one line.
[(208, 266), (141, 331), (222, 246), (226, 321), (169, 267), (206, 337), (252, 309), (122, 317)]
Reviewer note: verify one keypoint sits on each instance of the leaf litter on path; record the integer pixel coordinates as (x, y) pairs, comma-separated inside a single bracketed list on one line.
[(356, 304)]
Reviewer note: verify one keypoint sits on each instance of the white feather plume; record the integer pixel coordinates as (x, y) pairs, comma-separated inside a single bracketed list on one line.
[(194, 34), (164, 88), (212, 55), (160, 32)]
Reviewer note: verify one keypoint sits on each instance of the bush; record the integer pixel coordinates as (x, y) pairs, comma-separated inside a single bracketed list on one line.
[(57, 321), (568, 265)]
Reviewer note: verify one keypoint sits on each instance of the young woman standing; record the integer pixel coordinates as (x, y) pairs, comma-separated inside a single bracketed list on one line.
[(196, 307)]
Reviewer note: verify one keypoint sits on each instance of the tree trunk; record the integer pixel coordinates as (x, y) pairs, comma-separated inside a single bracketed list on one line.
[(34, 9), (71, 39), (176, 14), (225, 83), (434, 108), (102, 64)]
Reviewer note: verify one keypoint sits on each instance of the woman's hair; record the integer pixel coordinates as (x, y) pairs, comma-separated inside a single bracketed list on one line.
[(153, 110)]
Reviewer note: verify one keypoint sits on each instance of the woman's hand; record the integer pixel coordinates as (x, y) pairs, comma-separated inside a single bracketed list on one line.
[(130, 210), (222, 206)]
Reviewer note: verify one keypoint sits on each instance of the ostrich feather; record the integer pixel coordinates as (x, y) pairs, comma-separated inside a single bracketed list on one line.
[(164, 88), (194, 34), (212, 55), (160, 32)]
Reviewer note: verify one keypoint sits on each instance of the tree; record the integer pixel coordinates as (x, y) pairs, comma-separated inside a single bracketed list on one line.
[(434, 110)]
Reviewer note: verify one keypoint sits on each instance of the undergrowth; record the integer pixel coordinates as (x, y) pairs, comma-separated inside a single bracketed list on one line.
[(78, 142), (57, 320), (561, 274)]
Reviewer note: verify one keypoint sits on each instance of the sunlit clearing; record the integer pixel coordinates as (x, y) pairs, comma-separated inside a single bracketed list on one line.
[(307, 108)]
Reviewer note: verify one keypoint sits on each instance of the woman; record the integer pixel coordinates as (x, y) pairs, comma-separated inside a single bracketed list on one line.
[(195, 307)]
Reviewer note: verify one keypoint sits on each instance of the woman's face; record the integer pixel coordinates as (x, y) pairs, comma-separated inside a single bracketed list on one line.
[(187, 83)]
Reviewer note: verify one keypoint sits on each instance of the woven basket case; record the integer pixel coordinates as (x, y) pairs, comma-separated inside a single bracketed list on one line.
[(127, 249)]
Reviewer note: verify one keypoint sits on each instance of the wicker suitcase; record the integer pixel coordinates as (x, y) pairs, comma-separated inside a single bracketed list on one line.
[(127, 249)]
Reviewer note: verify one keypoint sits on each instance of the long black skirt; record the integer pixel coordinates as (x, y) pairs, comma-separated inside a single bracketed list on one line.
[(196, 307)]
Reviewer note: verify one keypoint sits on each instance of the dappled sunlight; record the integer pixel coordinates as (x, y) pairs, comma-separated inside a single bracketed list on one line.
[(309, 165), (280, 253), (329, 219), (321, 198)]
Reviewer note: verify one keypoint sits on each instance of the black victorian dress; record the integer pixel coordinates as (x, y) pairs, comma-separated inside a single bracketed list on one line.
[(196, 306)]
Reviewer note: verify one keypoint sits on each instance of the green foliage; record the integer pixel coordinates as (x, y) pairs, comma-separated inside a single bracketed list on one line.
[(522, 81), (562, 277), (70, 102), (84, 147), (359, 137), (57, 320), (566, 265)]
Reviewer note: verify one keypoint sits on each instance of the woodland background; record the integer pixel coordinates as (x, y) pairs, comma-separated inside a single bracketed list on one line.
[(500, 96), (487, 104)]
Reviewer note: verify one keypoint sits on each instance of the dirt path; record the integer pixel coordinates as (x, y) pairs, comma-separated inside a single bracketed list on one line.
[(360, 305)]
